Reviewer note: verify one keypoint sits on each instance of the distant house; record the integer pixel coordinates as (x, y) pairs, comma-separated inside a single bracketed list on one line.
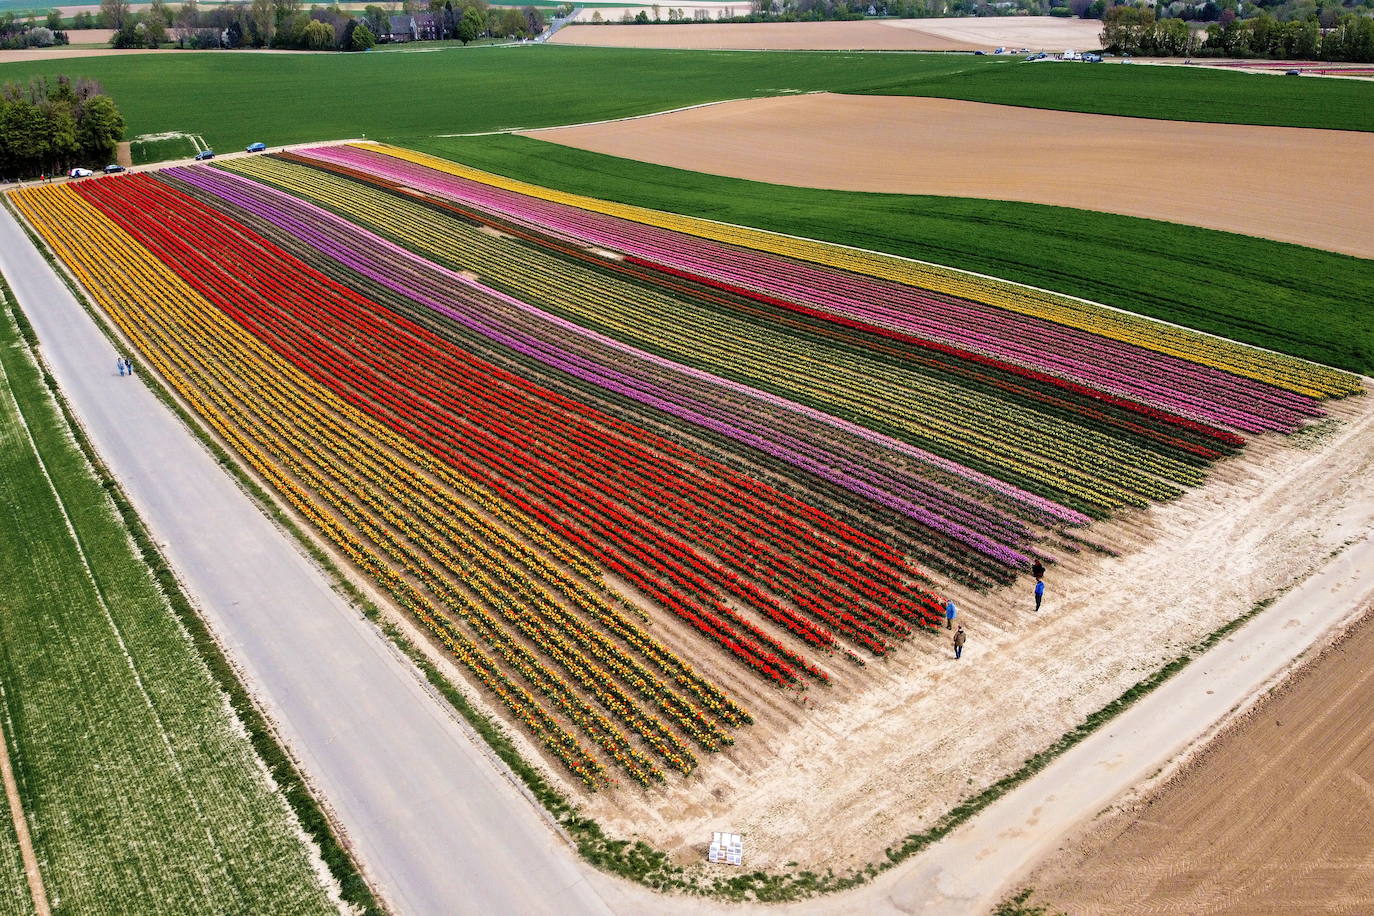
[(413, 27)]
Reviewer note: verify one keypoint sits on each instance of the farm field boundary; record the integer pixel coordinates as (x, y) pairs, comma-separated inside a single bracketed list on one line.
[(923, 146), (1290, 299), (812, 886), (1306, 743), (224, 91), (114, 567)]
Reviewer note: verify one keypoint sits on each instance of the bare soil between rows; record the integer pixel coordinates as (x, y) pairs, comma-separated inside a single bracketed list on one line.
[(832, 779), (953, 148), (1273, 817)]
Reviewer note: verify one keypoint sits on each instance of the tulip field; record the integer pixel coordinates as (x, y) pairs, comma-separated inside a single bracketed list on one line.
[(619, 462)]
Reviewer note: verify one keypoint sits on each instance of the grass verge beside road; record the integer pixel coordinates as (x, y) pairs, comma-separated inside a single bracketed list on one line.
[(1301, 301), (141, 788)]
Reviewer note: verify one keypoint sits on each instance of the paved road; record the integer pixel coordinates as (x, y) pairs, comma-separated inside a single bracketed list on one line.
[(437, 826)]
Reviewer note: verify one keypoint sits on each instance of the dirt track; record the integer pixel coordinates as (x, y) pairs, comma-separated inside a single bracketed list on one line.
[(904, 739), (1040, 33), (1273, 818), (1233, 177)]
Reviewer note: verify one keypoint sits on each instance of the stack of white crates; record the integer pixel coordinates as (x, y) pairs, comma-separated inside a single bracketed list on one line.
[(726, 848)]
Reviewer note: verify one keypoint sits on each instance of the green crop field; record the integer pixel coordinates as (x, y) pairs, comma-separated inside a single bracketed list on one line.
[(142, 793), (1296, 300), (1171, 93), (235, 99)]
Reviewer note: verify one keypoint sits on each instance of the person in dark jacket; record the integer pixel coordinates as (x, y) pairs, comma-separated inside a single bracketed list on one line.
[(959, 638), (1038, 569)]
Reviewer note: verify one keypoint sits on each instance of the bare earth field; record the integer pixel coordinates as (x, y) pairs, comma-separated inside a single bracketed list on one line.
[(971, 149), (1039, 33), (1274, 817), (834, 782)]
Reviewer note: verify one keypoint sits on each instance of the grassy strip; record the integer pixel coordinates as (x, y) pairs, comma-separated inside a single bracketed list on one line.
[(1288, 298), (235, 99), (354, 888), (639, 861), (143, 151)]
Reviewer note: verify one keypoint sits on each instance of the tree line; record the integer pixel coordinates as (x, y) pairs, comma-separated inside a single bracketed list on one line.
[(30, 33), (50, 126), (288, 24), (1135, 30)]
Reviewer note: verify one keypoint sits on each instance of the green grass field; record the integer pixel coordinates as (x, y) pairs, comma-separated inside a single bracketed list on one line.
[(1296, 300), (142, 151), (142, 793), (234, 99)]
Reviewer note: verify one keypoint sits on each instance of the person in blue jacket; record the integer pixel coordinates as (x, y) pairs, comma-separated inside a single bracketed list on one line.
[(1039, 592), (949, 615)]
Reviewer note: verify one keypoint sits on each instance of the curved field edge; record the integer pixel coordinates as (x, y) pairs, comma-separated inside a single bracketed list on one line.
[(354, 889), (221, 97), (634, 859), (1294, 300)]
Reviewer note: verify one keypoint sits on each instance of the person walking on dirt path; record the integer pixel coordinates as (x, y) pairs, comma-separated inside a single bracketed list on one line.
[(949, 615), (119, 364), (959, 637), (1038, 569), (129, 364), (1039, 592)]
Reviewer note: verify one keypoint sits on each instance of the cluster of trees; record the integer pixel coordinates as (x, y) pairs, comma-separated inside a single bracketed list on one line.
[(29, 33), (47, 127), (288, 24), (1135, 30), (467, 20)]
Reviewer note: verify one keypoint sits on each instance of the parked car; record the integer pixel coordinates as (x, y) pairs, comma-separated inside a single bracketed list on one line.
[(205, 154), (1092, 58), (1293, 73), (256, 147), (979, 53), (112, 169), (1039, 55), (80, 173)]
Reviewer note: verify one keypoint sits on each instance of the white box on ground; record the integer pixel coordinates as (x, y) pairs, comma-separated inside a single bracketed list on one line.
[(726, 849)]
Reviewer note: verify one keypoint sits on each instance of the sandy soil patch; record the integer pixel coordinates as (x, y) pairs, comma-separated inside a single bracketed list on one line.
[(834, 780), (970, 34), (1274, 817), (1240, 178)]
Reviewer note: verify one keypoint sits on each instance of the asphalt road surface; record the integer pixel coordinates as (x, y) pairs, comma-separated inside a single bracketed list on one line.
[(438, 828)]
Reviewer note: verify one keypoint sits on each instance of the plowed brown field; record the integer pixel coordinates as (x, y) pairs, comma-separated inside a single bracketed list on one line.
[(954, 34), (1276, 817), (1240, 178)]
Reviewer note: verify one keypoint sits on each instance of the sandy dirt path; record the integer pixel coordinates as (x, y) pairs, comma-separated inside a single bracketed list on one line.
[(37, 892), (897, 744), (1134, 166), (956, 34), (1273, 818)]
